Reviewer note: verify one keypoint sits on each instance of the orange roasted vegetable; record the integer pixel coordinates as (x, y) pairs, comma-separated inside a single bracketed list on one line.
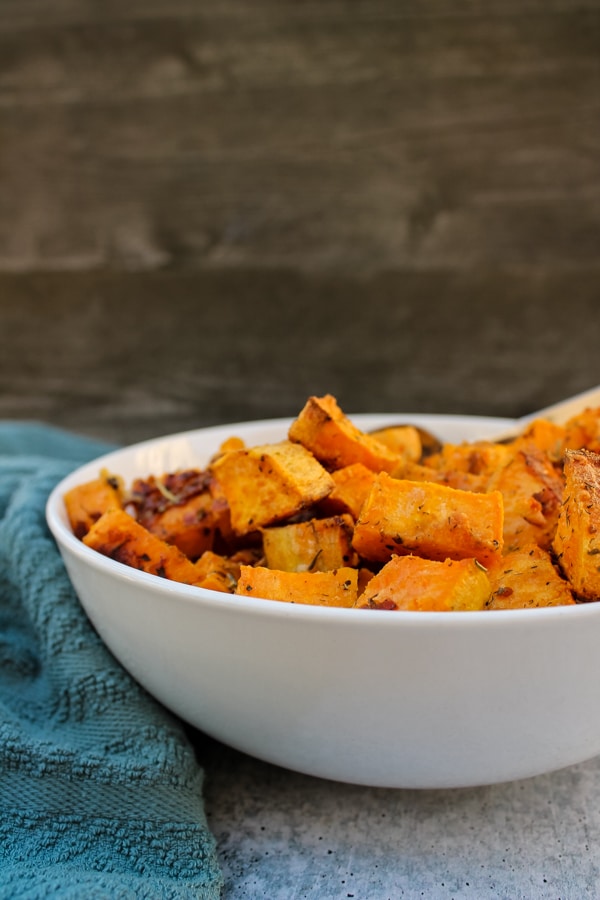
[(416, 584), (577, 538), (337, 588), (429, 520), (178, 508), (117, 535), (335, 441), (527, 578), (318, 545), (269, 483), (532, 490), (351, 485), (85, 503)]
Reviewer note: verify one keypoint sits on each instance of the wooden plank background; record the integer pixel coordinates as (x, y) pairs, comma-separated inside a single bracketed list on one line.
[(209, 210)]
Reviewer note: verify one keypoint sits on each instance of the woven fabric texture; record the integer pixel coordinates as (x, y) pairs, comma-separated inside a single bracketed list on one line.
[(100, 791)]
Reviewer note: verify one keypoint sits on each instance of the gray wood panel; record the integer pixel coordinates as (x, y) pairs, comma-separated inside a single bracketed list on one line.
[(208, 211), (320, 136), (131, 355)]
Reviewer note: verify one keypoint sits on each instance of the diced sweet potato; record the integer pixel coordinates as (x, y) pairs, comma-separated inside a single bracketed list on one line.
[(479, 458), (351, 486), (217, 572), (548, 437), (178, 507), (527, 578), (335, 441), (191, 526), (404, 440), (117, 535), (577, 539), (582, 432), (268, 483), (430, 520), (456, 478), (532, 491), (466, 467), (229, 444), (337, 588), (85, 503), (414, 584), (364, 577), (318, 545)]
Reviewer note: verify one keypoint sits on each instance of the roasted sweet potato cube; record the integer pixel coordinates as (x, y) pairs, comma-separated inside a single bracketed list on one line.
[(337, 588), (477, 458), (217, 572), (269, 483), (456, 478), (431, 520), (335, 441), (117, 535), (532, 491), (582, 432), (85, 503), (405, 440), (547, 436), (527, 578), (178, 507), (351, 486), (191, 525), (412, 583), (318, 545), (577, 539)]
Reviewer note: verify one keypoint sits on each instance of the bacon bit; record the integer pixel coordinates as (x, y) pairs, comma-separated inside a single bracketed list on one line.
[(386, 603), (152, 496)]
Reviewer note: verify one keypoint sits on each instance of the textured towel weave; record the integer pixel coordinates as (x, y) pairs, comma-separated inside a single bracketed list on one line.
[(100, 791)]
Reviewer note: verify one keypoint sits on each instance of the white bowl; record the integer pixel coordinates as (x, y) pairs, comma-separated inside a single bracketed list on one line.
[(410, 699)]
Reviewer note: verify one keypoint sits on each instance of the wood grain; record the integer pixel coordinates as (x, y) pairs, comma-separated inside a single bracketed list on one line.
[(208, 211), (126, 356), (315, 136)]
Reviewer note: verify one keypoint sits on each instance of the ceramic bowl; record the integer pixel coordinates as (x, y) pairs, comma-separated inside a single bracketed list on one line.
[(400, 700)]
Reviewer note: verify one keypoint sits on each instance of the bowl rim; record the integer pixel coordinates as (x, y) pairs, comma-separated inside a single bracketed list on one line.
[(232, 603)]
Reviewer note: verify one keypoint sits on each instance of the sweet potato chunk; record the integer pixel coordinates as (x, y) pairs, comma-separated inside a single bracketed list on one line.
[(268, 483), (429, 520), (532, 492), (351, 486), (547, 436), (527, 578), (577, 539), (404, 440), (455, 478), (319, 545), (117, 535), (217, 572), (337, 588), (178, 507), (479, 459), (85, 503), (335, 441), (190, 526), (582, 432), (415, 584)]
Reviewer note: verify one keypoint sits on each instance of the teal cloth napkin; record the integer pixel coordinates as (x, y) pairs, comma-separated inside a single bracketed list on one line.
[(100, 790)]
